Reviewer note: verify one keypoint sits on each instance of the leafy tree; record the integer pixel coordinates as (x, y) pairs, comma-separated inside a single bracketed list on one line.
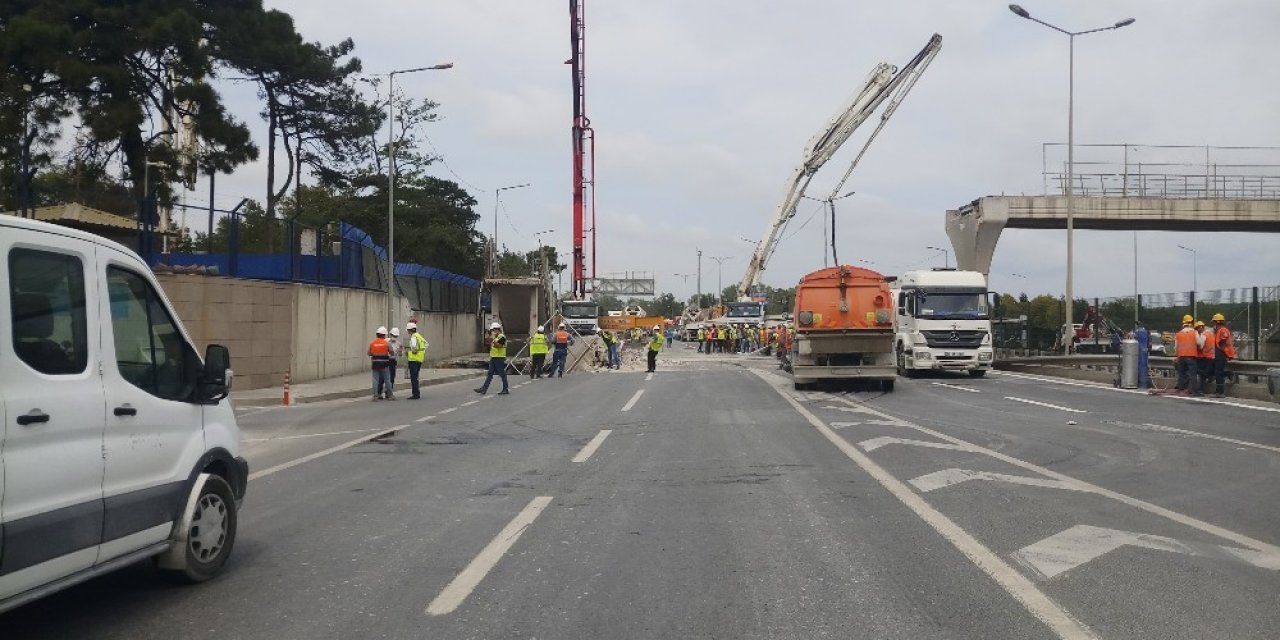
[(512, 264), (665, 305)]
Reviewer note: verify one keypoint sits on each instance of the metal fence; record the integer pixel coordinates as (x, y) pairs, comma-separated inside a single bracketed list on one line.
[(1163, 171), (1253, 313), (341, 256)]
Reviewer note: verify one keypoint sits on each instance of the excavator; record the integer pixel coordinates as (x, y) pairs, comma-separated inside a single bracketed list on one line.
[(886, 82)]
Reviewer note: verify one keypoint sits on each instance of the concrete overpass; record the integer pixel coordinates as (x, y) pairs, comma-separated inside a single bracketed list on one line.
[(974, 229)]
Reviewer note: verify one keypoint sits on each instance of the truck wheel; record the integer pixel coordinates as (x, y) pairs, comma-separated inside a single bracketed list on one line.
[(887, 385), (977, 373), (212, 533), (902, 365)]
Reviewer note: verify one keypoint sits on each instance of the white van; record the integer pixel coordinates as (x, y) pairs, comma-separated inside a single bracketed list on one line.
[(117, 442)]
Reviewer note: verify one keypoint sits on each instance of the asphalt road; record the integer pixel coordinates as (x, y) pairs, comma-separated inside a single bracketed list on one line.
[(723, 504)]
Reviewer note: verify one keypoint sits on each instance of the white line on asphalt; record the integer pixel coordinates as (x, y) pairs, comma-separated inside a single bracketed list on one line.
[(632, 401), (470, 578), (591, 447), (1023, 590), (467, 404), (311, 435), (1227, 534), (954, 386), (449, 410), (876, 443), (319, 454), (947, 477), (424, 418), (1045, 404), (1188, 432), (1103, 387), (648, 377)]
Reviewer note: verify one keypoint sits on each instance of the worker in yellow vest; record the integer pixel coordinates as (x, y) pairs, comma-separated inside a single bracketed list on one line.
[(1187, 349), (655, 345), (538, 348), (415, 353), (497, 360)]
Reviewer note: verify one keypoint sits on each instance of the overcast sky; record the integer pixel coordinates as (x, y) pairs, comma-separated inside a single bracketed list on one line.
[(702, 107)]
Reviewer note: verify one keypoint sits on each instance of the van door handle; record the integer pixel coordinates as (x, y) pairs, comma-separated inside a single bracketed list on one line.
[(126, 410), (32, 417)]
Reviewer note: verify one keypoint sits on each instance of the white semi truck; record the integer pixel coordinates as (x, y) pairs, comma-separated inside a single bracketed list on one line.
[(943, 322)]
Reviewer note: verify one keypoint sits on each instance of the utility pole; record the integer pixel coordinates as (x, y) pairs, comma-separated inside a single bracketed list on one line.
[(719, 276), (699, 278)]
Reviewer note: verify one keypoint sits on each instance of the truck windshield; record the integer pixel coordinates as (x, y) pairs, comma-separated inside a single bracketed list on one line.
[(580, 310), (744, 311), (954, 306)]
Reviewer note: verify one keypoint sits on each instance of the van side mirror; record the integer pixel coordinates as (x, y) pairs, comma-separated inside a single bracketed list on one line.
[(215, 378)]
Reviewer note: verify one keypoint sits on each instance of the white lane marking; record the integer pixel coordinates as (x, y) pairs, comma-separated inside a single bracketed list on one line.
[(311, 435), (1188, 432), (1169, 514), (1045, 404), (1069, 549), (449, 410), (846, 409), (954, 386), (591, 447), (402, 426), (469, 403), (424, 418), (479, 567), (948, 477), (632, 401), (1014, 583), (876, 443), (648, 377), (1103, 387), (319, 454)]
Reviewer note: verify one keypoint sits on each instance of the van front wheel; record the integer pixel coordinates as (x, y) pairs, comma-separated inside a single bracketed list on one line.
[(212, 533)]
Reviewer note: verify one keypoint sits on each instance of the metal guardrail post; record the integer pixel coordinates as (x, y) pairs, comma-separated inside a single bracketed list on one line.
[(1255, 319)]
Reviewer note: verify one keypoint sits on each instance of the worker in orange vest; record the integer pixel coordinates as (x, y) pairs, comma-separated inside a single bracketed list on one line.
[(1226, 351), (380, 362), (1186, 345), (561, 342), (1208, 346)]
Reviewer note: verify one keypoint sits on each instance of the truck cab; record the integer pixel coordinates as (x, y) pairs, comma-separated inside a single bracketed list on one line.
[(582, 315), (943, 322), (744, 313)]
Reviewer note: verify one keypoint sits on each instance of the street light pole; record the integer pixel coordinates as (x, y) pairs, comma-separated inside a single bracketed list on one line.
[(684, 282), (699, 278), (946, 256), (719, 276), (391, 184), (1195, 286), (1071, 88), (494, 259)]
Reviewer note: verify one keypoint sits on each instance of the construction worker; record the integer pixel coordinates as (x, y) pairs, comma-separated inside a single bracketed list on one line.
[(722, 339), (394, 351), (699, 337), (415, 354), (1226, 351), (538, 348), (1186, 347), (561, 341), (379, 360), (1208, 349), (615, 356), (655, 345), (497, 360)]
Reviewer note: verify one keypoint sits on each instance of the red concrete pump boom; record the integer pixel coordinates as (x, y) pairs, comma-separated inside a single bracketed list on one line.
[(583, 154)]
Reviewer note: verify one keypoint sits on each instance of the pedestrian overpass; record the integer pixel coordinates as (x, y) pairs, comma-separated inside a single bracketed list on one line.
[(974, 229)]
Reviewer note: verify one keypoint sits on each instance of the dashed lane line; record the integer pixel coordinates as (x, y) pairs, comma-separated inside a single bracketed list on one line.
[(955, 386), (632, 401), (591, 447), (310, 435), (464, 583), (470, 402), (424, 418), (1045, 404)]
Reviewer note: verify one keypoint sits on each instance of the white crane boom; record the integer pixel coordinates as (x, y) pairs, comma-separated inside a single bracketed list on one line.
[(885, 80)]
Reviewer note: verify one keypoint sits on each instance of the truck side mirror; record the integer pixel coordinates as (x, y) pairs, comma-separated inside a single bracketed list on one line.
[(215, 378)]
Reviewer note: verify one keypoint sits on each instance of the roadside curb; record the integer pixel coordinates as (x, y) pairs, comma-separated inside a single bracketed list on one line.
[(261, 402)]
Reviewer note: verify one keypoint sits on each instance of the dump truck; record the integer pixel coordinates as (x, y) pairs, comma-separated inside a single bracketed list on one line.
[(844, 328)]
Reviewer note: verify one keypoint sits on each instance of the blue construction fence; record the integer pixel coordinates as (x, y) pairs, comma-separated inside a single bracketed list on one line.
[(287, 251)]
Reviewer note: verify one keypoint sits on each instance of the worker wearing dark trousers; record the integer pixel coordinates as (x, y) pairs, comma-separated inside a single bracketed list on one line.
[(1208, 349), (538, 348), (1226, 351), (655, 345), (561, 342), (497, 360), (1186, 349)]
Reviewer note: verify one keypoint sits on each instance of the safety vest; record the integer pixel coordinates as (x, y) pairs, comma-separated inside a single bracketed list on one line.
[(1226, 343), (720, 335), (1185, 343), (700, 335), (379, 353), (538, 344), (417, 348), (562, 337), (1210, 346), (498, 347), (655, 343)]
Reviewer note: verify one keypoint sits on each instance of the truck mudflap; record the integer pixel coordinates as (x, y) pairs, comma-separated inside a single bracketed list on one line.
[(823, 372)]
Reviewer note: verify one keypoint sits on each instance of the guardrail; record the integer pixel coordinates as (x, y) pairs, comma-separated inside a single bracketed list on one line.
[(1250, 375)]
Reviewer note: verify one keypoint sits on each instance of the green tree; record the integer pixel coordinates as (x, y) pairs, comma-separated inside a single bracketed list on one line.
[(512, 264), (665, 305)]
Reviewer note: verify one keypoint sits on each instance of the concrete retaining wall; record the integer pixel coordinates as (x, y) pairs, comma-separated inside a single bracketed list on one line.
[(318, 332)]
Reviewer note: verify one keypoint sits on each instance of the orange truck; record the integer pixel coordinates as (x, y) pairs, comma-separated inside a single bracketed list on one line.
[(627, 323), (844, 328)]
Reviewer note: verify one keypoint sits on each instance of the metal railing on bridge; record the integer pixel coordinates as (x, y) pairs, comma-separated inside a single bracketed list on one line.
[(1163, 171)]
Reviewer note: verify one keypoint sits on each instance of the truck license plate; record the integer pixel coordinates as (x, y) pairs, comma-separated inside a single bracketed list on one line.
[(953, 354)]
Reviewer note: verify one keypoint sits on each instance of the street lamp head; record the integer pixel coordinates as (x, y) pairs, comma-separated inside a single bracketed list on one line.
[(1124, 23), (449, 65), (1019, 11)]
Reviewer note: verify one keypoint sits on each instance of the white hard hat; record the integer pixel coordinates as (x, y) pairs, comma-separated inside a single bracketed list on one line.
[(496, 325), (382, 331), (561, 325), (412, 326), (657, 327), (395, 331), (539, 329)]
